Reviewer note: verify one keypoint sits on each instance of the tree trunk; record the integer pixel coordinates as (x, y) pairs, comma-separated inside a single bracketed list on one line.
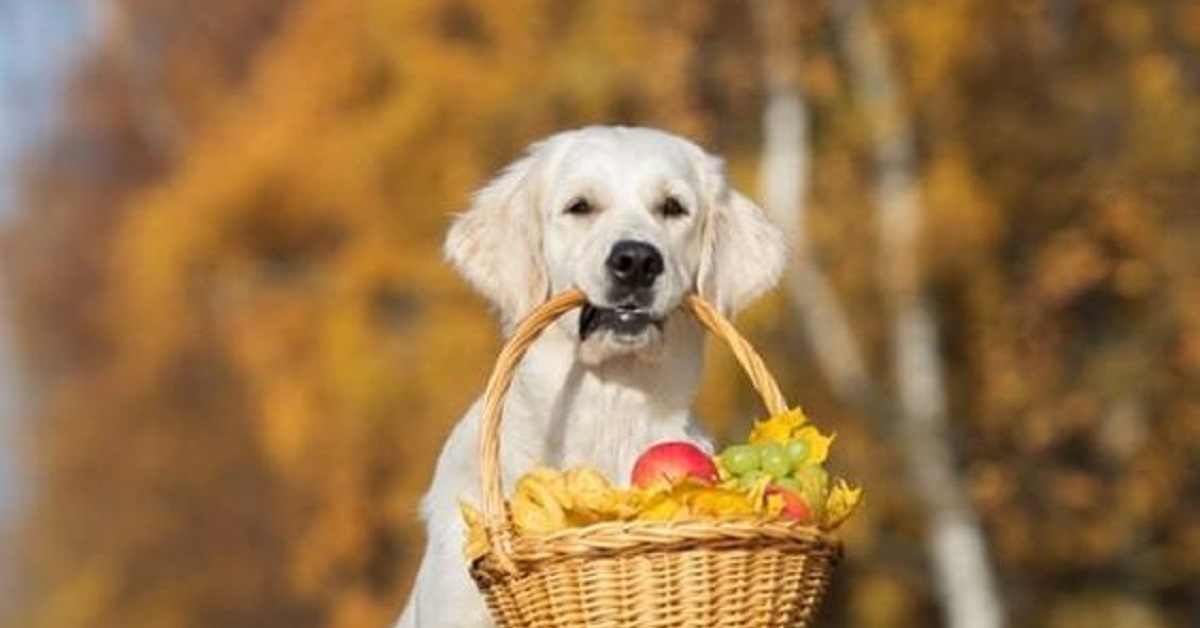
[(784, 180), (957, 545)]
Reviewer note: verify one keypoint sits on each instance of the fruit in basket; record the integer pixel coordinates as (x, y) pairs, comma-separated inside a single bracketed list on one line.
[(774, 459), (740, 459), (783, 466), (779, 473), (798, 451), (778, 447), (792, 505), (672, 461)]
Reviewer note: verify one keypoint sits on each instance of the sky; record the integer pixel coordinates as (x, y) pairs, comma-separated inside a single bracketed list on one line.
[(38, 40)]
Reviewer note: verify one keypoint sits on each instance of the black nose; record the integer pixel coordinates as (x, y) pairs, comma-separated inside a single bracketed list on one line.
[(634, 264)]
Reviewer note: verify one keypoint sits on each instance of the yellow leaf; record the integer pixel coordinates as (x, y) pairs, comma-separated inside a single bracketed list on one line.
[(535, 507), (584, 480), (662, 507), (551, 480), (818, 444), (842, 502), (476, 543), (593, 498), (714, 501), (778, 428), (772, 505)]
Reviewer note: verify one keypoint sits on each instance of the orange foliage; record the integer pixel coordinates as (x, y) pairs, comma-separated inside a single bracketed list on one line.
[(248, 350)]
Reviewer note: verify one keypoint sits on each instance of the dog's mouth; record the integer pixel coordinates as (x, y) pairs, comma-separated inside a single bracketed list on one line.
[(623, 321)]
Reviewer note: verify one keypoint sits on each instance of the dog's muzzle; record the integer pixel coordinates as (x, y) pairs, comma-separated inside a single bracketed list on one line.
[(632, 267)]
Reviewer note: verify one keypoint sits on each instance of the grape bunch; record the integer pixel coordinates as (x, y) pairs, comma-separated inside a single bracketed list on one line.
[(782, 462), (788, 469)]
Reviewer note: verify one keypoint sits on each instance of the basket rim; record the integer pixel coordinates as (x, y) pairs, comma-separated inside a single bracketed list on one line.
[(628, 537)]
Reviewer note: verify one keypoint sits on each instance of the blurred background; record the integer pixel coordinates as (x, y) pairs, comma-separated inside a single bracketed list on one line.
[(229, 349)]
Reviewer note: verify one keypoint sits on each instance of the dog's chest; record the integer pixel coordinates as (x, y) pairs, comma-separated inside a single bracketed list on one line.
[(608, 426), (609, 437), (565, 414)]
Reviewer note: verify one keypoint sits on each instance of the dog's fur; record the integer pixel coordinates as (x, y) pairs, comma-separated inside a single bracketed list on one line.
[(602, 398)]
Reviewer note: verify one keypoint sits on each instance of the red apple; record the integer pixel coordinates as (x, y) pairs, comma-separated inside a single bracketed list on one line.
[(671, 462), (794, 507)]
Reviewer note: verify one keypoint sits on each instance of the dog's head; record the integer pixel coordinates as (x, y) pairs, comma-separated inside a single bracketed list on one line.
[(635, 218)]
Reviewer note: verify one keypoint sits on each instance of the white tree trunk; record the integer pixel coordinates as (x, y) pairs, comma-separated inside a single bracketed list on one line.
[(957, 546), (784, 181)]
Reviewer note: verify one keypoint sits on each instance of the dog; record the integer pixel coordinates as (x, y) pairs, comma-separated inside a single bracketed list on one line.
[(636, 218)]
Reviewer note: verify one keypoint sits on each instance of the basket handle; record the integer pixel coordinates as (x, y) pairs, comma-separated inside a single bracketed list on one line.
[(526, 332)]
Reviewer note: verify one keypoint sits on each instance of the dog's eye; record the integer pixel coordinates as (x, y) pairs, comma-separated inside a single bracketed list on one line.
[(578, 207), (672, 208)]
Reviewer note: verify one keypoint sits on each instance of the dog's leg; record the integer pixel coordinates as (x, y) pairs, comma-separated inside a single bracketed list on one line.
[(443, 595)]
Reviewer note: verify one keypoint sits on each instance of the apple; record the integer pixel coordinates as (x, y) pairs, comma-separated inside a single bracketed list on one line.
[(672, 461), (794, 507)]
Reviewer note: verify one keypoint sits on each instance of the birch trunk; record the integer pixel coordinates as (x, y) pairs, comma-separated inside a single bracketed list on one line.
[(784, 181), (956, 541)]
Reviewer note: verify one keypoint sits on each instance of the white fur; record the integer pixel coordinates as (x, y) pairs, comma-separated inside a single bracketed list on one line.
[(603, 401)]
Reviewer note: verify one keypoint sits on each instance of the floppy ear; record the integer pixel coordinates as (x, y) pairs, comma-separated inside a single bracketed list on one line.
[(496, 244), (744, 252)]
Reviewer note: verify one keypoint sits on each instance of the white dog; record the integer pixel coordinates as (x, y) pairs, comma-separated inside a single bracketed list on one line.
[(635, 218)]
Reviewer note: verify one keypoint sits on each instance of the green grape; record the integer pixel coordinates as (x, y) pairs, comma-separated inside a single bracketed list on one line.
[(797, 451), (740, 459), (774, 459)]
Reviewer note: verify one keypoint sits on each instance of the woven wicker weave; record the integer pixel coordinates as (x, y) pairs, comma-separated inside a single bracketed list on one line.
[(698, 573)]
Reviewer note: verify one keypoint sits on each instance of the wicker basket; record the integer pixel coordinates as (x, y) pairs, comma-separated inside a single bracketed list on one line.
[(696, 573)]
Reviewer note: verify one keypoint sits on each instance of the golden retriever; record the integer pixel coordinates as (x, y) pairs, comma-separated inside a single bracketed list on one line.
[(635, 218)]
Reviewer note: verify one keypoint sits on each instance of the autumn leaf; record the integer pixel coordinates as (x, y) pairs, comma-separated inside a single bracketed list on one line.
[(778, 428), (661, 507), (476, 543), (818, 444), (593, 498), (714, 501), (842, 502), (535, 505)]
